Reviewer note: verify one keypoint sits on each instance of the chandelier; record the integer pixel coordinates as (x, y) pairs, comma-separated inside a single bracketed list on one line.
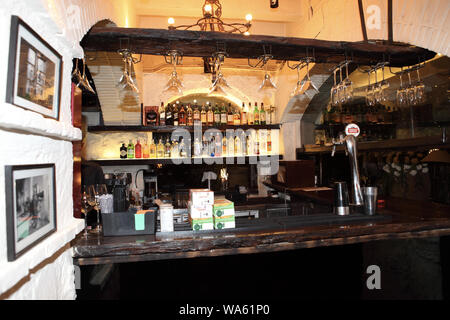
[(212, 11)]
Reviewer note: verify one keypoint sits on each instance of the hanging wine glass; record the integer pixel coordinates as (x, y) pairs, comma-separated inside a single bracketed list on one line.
[(369, 92), (377, 88), (348, 84), (130, 80), (298, 87), (219, 82), (411, 92), (384, 86), (334, 91), (267, 83), (401, 93), (341, 88), (307, 83), (420, 89), (174, 84)]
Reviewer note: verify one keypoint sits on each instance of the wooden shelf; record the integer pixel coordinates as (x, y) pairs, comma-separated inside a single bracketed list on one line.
[(420, 142), (168, 129), (177, 161), (361, 125)]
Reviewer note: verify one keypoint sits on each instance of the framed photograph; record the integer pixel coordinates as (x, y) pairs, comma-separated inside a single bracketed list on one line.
[(34, 71), (30, 206)]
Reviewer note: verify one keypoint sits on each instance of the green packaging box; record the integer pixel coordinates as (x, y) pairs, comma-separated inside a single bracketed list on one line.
[(223, 214), (202, 224)]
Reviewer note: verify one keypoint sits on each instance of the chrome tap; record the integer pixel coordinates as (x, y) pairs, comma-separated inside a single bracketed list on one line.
[(350, 149)]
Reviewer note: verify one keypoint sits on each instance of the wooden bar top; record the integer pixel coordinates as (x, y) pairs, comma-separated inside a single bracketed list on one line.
[(400, 220)]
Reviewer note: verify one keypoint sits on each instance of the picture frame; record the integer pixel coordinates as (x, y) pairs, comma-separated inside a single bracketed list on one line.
[(34, 72), (30, 206)]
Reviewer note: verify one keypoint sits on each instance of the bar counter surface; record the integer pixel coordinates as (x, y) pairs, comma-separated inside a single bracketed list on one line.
[(401, 219)]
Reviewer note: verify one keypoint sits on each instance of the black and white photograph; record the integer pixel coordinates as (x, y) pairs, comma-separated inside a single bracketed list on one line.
[(34, 71), (31, 210)]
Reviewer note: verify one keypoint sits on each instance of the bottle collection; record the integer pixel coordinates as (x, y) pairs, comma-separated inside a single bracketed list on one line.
[(360, 114), (250, 143), (178, 114)]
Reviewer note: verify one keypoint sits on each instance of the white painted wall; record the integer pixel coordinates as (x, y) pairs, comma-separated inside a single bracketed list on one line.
[(26, 137)]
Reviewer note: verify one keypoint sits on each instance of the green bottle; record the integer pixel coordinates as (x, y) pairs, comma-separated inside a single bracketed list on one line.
[(216, 116), (256, 114), (130, 150)]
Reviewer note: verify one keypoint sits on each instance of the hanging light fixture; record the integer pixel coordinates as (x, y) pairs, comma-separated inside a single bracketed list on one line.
[(212, 11)]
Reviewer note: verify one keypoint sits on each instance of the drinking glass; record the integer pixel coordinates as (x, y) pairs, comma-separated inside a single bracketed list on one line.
[(93, 191), (267, 83), (420, 89), (86, 201), (370, 92), (341, 88), (348, 85), (174, 84), (334, 91), (401, 94), (306, 83), (411, 92), (384, 86), (298, 87)]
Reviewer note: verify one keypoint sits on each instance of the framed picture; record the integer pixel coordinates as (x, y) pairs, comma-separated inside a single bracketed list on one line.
[(30, 206), (34, 71)]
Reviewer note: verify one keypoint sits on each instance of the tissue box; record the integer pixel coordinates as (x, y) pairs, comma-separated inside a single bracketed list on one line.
[(223, 214), (201, 218), (201, 197)]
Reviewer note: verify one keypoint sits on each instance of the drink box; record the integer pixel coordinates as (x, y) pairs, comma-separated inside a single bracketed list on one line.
[(223, 214), (128, 223), (201, 197), (201, 218)]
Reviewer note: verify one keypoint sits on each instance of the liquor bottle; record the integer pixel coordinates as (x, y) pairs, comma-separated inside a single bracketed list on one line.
[(223, 115), (196, 115), (152, 148), (230, 146), (197, 147), (243, 114), (169, 116), (203, 118), (256, 114), (224, 146), (216, 116), (162, 115), (250, 115), (182, 149), (217, 146), (269, 115), (130, 150), (237, 146), (230, 118), (145, 150), (123, 151), (138, 150), (249, 145), (151, 117), (269, 142), (174, 150), (182, 116), (175, 115), (210, 116), (167, 149), (160, 149), (189, 116), (236, 117), (256, 144), (262, 115)]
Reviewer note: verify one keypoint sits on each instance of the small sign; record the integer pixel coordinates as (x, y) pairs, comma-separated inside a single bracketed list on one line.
[(352, 129)]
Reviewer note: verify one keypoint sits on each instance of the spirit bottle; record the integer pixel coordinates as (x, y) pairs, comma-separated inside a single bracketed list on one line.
[(167, 149), (175, 115), (262, 115), (182, 116), (197, 147), (256, 114), (138, 150), (230, 117), (182, 149), (256, 145), (130, 150), (203, 118), (237, 146), (269, 142), (224, 146), (236, 117), (169, 117), (123, 151), (230, 146), (190, 116), (210, 116), (243, 114), (152, 148), (217, 146), (249, 145), (250, 115), (196, 115), (162, 115), (160, 149), (151, 117), (145, 150), (216, 116), (223, 115)]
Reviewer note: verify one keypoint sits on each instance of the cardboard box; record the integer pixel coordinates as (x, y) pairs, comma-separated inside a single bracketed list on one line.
[(201, 218), (223, 214), (201, 197)]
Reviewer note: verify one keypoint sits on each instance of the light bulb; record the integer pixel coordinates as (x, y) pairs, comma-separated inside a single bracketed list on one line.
[(208, 8), (246, 33), (171, 21), (248, 17)]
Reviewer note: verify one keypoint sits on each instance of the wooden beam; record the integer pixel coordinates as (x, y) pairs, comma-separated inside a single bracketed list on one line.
[(204, 44)]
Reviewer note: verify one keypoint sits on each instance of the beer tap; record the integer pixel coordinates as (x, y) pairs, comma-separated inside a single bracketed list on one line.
[(349, 143)]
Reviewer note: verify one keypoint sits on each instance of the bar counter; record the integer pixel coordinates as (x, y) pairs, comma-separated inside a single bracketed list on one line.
[(400, 219)]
